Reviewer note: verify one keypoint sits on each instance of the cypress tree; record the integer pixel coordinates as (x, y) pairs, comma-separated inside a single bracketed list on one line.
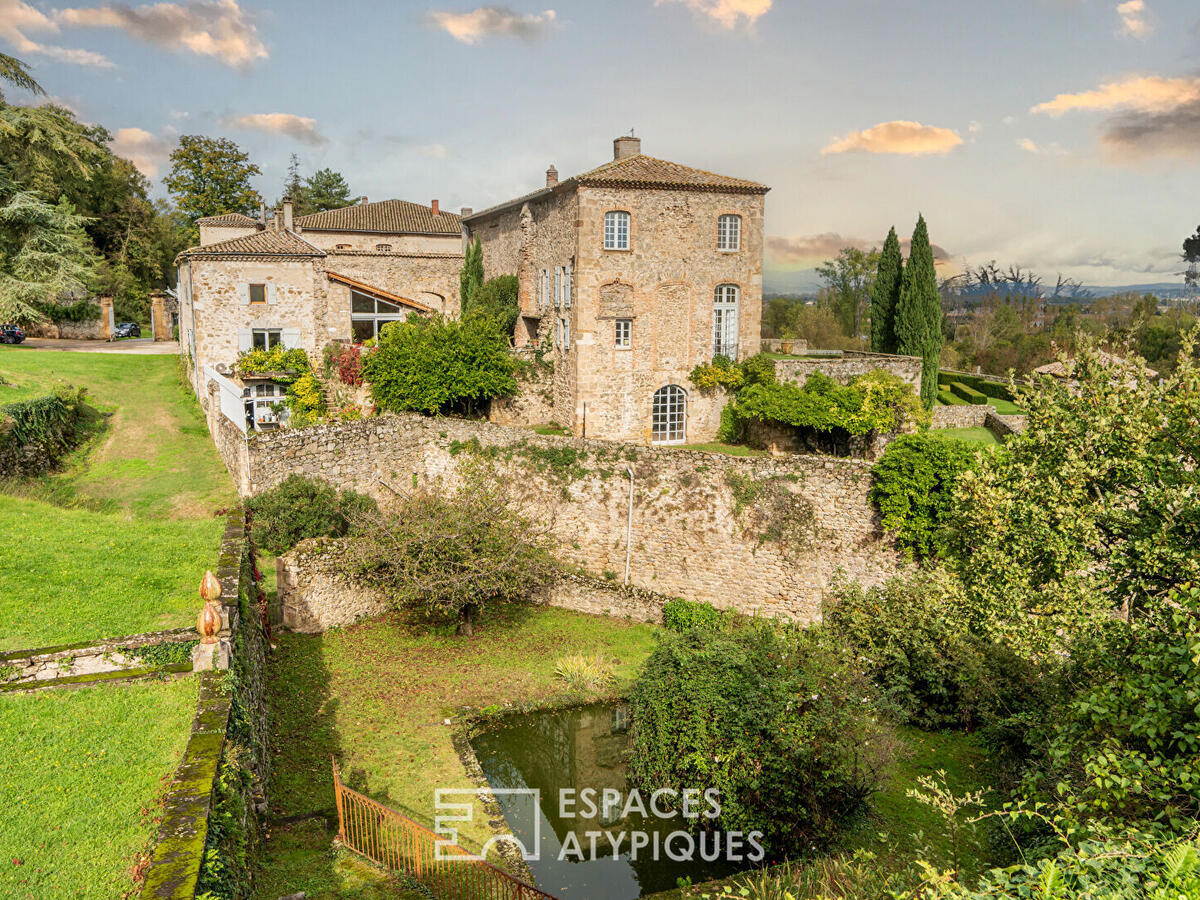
[(919, 312), (470, 279), (885, 294)]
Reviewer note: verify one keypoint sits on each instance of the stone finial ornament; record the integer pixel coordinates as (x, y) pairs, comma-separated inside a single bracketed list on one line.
[(208, 623)]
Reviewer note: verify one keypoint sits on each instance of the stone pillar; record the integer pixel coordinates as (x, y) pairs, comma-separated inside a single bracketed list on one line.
[(107, 322), (159, 321)]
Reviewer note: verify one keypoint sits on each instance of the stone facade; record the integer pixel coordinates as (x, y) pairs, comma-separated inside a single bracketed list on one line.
[(756, 534), (850, 365), (664, 285)]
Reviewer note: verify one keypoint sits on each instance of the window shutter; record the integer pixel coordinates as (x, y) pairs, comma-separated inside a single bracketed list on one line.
[(245, 338), (567, 286), (244, 294), (291, 338), (270, 293)]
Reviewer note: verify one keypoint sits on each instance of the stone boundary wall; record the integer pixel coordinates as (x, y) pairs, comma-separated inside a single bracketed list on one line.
[(70, 331), (964, 416), (756, 534), (84, 662), (849, 365), (784, 345), (315, 594), (231, 701)]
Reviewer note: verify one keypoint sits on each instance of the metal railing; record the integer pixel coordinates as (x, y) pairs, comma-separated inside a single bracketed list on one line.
[(395, 841)]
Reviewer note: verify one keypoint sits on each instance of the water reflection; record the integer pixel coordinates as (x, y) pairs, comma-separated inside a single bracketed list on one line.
[(570, 751)]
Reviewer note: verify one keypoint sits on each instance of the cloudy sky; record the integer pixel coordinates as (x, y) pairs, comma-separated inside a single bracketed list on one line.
[(1062, 135)]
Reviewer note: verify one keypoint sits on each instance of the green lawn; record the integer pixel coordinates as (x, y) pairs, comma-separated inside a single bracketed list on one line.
[(82, 782), (155, 459), (71, 574), (981, 436)]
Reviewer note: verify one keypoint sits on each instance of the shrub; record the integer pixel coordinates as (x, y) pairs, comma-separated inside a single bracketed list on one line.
[(913, 637), (348, 360), (969, 394), (300, 508), (721, 372), (496, 299), (985, 386), (585, 673), (305, 400), (780, 725), (277, 359), (437, 365), (684, 615), (913, 485)]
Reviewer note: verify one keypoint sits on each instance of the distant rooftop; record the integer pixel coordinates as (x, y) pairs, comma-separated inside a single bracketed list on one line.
[(384, 217)]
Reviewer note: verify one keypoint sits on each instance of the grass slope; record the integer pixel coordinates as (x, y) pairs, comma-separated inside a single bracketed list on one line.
[(981, 436), (70, 574), (84, 785)]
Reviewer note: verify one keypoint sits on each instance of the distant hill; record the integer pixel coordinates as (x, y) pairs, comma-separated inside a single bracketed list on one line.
[(798, 281), (1164, 289)]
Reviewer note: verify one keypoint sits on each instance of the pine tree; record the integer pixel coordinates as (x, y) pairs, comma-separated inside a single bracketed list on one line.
[(919, 311), (293, 188), (470, 279), (326, 189), (885, 294)]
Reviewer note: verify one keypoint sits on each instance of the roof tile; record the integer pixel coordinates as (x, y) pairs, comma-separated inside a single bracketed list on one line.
[(383, 217), (261, 243)]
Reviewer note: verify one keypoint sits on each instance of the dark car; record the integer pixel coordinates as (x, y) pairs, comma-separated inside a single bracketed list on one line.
[(126, 330), (11, 334)]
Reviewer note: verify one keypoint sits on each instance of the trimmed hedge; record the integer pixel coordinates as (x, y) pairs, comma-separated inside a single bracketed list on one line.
[(988, 388), (947, 398), (969, 394)]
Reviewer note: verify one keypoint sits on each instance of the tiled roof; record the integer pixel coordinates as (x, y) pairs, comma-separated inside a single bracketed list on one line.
[(641, 171), (261, 243), (646, 171), (229, 219), (383, 217)]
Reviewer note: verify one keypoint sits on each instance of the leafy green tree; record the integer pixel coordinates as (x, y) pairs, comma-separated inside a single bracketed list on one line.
[(497, 298), (17, 74), (437, 365), (46, 255), (849, 278), (300, 508), (470, 278), (919, 311), (210, 177), (326, 189), (885, 295)]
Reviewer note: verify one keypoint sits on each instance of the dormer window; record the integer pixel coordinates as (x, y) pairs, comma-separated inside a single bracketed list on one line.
[(616, 230), (342, 247), (729, 233), (384, 248)]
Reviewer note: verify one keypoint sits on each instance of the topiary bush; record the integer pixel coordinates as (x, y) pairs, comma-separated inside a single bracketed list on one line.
[(301, 508), (913, 486), (683, 615), (780, 724)]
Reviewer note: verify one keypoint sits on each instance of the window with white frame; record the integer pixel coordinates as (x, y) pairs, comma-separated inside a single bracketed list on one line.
[(567, 286), (729, 232), (725, 321), (623, 329), (668, 415), (265, 338), (263, 403), (368, 316), (616, 230)]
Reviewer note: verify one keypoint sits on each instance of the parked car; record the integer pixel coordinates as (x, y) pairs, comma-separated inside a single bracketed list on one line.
[(126, 330), (11, 334)]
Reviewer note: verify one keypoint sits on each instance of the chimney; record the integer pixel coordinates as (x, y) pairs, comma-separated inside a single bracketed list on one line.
[(626, 146), (277, 219), (434, 206), (362, 200), (262, 214), (551, 177), (287, 213), (466, 211)]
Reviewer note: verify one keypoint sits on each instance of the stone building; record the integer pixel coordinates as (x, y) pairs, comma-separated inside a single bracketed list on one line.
[(630, 275), (309, 281)]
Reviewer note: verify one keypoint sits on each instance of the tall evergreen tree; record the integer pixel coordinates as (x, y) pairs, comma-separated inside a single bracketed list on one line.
[(470, 279), (885, 295), (326, 189), (919, 311)]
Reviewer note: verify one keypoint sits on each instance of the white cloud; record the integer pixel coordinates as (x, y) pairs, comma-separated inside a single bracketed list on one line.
[(726, 13), (18, 17), (1133, 18), (900, 137), (301, 128), (492, 21), (1145, 93), (147, 152), (1051, 149), (975, 128), (217, 28)]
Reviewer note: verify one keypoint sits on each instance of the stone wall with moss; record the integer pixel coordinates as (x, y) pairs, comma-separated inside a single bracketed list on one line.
[(210, 829), (755, 534)]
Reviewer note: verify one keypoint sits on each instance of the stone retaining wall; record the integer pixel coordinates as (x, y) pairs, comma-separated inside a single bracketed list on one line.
[(755, 534), (849, 365), (964, 416), (79, 663)]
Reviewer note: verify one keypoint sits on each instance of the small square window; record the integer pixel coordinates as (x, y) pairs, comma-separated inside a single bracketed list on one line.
[(266, 338), (258, 293), (624, 334), (341, 247), (384, 248)]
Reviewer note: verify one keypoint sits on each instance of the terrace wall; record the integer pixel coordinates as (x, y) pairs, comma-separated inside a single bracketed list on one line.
[(849, 365)]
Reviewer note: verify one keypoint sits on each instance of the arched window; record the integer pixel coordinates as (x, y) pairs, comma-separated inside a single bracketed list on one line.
[(725, 321), (616, 230), (729, 232), (668, 418)]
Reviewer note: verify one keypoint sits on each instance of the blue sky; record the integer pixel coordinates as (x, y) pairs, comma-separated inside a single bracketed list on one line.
[(1062, 135)]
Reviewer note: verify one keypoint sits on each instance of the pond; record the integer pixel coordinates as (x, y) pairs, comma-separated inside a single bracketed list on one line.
[(571, 758)]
